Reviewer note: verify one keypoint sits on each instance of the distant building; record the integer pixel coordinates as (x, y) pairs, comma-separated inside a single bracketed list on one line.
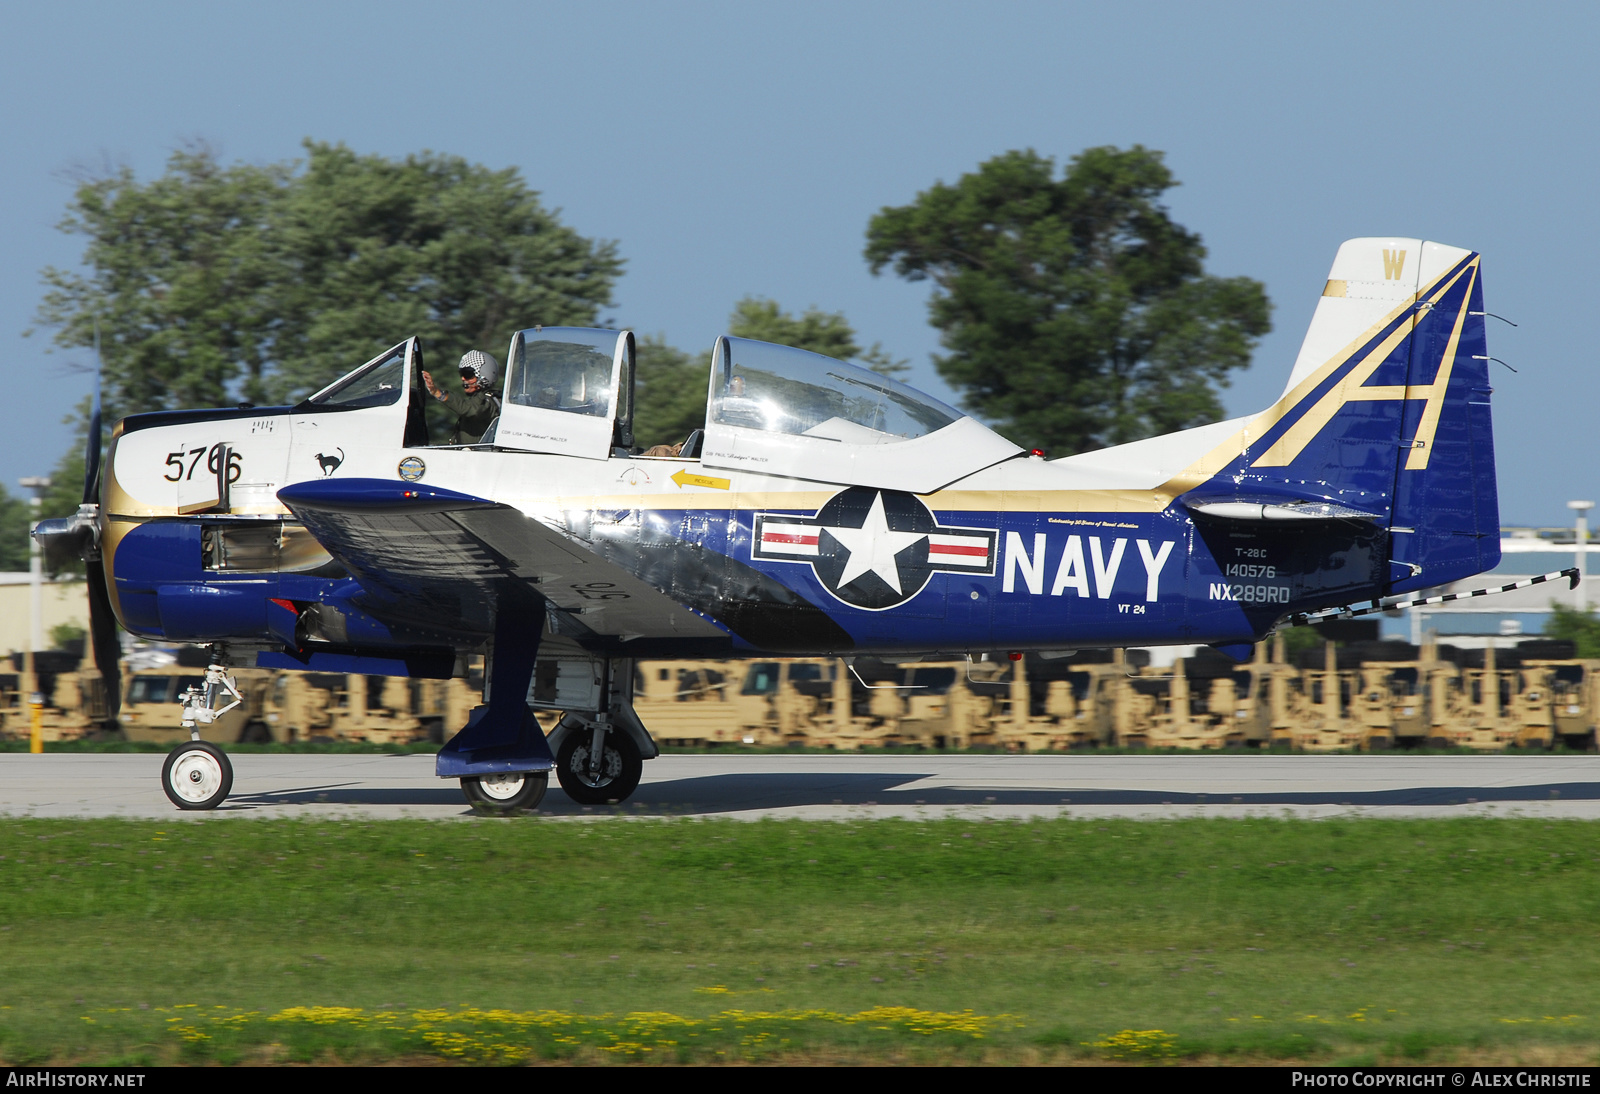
[(66, 600), (1524, 552)]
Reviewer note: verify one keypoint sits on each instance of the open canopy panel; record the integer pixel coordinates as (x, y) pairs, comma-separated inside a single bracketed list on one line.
[(568, 390)]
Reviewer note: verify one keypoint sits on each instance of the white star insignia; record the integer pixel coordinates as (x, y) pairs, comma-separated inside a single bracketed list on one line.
[(873, 547)]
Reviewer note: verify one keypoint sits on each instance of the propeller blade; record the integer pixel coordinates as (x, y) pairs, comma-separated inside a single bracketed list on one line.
[(103, 638), (91, 456)]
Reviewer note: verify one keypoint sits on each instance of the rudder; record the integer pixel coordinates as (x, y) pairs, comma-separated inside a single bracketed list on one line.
[(1445, 488)]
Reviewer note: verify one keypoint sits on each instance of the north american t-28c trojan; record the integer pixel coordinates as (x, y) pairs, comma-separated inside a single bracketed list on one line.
[(823, 510)]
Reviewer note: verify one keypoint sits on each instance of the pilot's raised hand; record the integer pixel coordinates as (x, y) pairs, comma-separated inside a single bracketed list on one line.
[(433, 388)]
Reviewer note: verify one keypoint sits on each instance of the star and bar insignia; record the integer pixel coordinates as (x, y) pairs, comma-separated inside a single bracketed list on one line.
[(874, 549)]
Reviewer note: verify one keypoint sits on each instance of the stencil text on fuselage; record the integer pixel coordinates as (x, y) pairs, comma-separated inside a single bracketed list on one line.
[(1079, 560)]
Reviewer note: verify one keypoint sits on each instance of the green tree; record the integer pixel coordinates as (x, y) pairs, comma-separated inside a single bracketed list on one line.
[(66, 636), (14, 520), (1581, 628), (375, 249), (670, 386), (214, 283), (179, 275), (828, 333), (1076, 313)]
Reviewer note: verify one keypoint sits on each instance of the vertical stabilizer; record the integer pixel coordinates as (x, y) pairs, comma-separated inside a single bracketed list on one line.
[(1370, 278), (1385, 418)]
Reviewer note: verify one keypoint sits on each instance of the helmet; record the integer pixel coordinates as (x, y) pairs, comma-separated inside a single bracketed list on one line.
[(477, 363)]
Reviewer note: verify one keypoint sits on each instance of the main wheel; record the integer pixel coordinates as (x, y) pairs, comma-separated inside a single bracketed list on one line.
[(507, 792), (197, 775), (620, 768)]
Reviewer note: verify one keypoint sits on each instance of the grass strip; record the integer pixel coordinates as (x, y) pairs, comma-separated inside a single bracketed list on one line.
[(529, 939)]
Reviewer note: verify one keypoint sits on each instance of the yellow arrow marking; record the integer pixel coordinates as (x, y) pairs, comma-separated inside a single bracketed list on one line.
[(683, 478)]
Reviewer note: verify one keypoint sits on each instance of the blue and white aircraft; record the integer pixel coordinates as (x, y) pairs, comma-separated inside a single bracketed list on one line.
[(823, 510)]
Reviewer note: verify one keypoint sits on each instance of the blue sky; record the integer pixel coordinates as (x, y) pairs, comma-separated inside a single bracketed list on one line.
[(736, 149)]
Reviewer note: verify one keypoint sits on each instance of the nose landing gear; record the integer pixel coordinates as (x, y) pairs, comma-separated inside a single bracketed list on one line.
[(198, 775)]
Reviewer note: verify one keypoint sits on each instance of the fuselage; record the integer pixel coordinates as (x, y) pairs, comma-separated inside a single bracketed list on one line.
[(1025, 554)]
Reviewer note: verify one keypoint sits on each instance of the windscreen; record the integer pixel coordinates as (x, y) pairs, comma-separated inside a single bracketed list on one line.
[(379, 384)]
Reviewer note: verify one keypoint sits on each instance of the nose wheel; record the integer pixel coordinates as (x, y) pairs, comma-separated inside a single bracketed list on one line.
[(508, 792), (197, 775)]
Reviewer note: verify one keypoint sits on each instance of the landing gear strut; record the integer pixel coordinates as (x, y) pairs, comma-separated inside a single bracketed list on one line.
[(197, 775)]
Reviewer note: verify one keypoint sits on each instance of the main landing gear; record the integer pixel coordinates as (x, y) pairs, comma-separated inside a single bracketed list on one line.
[(599, 765), (197, 774), (506, 793)]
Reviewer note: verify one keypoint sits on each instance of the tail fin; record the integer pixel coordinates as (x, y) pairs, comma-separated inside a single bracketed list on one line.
[(1386, 414)]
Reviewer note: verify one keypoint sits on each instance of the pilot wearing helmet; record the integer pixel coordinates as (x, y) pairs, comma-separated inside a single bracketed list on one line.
[(479, 407)]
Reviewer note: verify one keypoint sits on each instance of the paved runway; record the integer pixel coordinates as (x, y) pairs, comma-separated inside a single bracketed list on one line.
[(839, 787)]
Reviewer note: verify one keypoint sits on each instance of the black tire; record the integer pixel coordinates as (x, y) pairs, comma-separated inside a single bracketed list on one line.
[(509, 793), (197, 775), (620, 769)]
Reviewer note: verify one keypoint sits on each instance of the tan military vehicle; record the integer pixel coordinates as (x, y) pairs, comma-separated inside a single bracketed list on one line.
[(1056, 703), (1574, 687), (73, 701), (325, 706), (699, 703)]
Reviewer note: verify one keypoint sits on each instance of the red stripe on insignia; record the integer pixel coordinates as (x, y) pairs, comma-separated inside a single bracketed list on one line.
[(786, 537), (980, 552)]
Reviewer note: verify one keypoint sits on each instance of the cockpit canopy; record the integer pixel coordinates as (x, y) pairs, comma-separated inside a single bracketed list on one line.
[(769, 408), (779, 389), (786, 411), (379, 382)]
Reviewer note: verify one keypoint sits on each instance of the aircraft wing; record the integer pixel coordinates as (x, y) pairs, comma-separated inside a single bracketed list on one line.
[(436, 559)]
